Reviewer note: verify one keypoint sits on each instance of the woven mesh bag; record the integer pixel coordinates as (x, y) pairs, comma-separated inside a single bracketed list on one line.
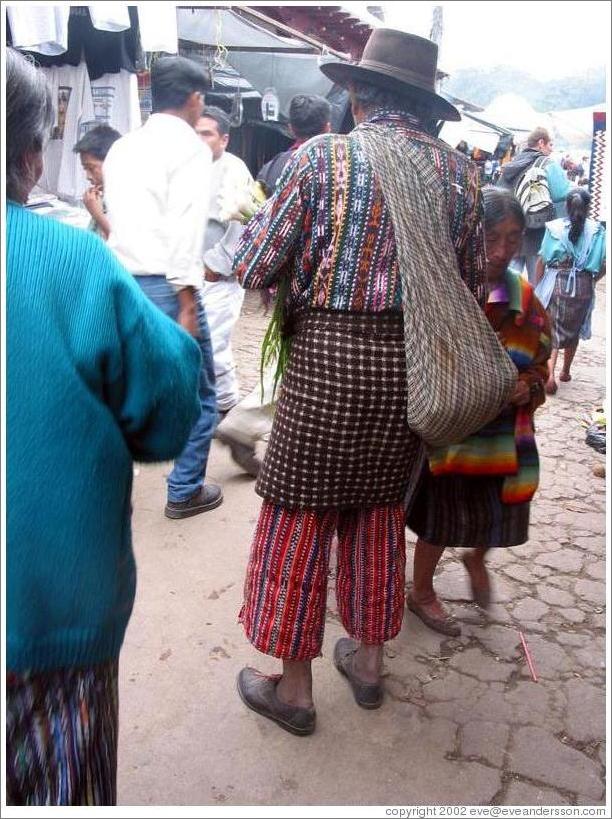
[(458, 374)]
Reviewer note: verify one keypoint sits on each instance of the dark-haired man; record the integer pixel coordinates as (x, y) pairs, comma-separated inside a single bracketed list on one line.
[(157, 188), (309, 116), (92, 149), (231, 181)]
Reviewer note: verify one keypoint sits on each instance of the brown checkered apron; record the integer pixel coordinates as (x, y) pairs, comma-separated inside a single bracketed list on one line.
[(340, 436)]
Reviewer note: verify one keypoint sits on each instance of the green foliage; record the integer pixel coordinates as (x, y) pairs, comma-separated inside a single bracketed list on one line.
[(276, 345), (481, 86)]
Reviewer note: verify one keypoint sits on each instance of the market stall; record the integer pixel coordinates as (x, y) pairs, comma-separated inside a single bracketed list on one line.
[(97, 60)]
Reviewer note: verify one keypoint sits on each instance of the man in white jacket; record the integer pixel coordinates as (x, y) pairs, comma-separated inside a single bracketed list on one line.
[(230, 183)]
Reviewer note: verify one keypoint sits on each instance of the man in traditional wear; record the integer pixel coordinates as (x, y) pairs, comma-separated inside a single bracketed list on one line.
[(341, 458)]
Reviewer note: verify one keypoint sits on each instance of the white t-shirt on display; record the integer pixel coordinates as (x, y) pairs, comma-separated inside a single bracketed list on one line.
[(158, 27), (39, 28), (74, 116), (115, 101)]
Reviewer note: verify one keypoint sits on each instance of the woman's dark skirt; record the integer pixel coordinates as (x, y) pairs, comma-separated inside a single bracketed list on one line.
[(567, 313), (453, 510), (340, 438)]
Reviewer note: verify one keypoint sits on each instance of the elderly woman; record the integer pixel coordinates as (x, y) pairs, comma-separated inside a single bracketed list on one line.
[(477, 493), (96, 376), (572, 259)]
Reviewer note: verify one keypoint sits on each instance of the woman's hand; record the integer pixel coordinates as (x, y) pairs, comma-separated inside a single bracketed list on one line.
[(522, 394)]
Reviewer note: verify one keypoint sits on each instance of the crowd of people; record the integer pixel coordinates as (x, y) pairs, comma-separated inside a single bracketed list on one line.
[(129, 324)]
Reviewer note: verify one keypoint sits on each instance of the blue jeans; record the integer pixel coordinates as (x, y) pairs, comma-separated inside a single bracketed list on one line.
[(187, 476)]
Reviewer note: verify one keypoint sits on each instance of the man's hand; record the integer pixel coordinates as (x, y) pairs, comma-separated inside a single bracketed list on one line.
[(210, 276), (92, 199), (188, 311), (522, 394)]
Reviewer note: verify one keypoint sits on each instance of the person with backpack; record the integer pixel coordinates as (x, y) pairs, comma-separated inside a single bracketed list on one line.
[(540, 185)]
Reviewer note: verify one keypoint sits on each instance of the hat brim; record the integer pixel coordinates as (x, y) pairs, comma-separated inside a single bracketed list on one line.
[(345, 73)]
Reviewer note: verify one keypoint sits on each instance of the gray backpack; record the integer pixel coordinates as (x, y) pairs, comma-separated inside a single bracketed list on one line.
[(533, 192)]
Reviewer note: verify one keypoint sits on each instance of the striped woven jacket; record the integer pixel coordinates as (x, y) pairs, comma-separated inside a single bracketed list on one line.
[(328, 227), (506, 446)]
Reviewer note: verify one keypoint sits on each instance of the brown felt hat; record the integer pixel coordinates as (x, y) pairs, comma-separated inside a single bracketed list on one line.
[(400, 62)]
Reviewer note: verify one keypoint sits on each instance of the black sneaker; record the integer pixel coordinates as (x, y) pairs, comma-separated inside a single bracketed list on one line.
[(209, 497)]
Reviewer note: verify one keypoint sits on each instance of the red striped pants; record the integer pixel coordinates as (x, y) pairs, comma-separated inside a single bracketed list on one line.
[(285, 592)]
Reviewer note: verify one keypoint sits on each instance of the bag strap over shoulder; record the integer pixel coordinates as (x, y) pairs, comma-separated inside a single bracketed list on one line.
[(426, 187)]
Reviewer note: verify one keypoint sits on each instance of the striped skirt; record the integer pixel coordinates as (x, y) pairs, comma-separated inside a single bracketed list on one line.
[(453, 510), (567, 313), (285, 593), (340, 436), (61, 737)]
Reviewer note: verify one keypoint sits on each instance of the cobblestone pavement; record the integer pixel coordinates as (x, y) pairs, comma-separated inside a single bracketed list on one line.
[(464, 722)]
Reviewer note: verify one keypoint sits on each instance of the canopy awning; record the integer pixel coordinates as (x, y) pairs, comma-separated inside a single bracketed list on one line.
[(226, 28), (476, 131)]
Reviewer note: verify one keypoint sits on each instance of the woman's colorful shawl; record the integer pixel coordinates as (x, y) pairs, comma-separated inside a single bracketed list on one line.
[(506, 447)]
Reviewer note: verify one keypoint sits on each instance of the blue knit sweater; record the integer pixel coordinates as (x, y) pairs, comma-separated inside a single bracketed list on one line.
[(96, 376)]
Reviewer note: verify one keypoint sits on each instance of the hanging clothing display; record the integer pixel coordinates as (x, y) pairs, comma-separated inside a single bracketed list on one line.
[(145, 98), (158, 28), (115, 101), (74, 115), (104, 51), (43, 29), (109, 16), (598, 178)]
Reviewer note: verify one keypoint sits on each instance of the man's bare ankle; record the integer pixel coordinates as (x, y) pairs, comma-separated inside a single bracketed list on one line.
[(290, 695)]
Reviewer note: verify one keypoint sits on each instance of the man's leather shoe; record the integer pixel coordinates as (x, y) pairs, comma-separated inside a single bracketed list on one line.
[(209, 497)]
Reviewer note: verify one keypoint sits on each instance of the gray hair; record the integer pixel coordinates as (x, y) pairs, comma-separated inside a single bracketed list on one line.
[(29, 116), (372, 97)]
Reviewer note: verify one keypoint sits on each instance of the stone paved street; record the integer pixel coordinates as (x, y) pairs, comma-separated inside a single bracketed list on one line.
[(463, 723)]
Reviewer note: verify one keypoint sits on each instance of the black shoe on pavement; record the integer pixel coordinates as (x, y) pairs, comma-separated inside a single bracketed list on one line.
[(209, 497), (258, 693), (367, 695)]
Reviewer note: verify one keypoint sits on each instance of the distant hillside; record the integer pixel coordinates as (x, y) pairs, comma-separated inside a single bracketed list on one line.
[(481, 86)]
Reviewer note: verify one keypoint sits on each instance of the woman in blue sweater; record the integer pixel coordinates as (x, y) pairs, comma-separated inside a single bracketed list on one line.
[(97, 376)]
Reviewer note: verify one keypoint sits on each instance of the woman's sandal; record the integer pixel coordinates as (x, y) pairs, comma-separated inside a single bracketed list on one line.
[(444, 625)]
